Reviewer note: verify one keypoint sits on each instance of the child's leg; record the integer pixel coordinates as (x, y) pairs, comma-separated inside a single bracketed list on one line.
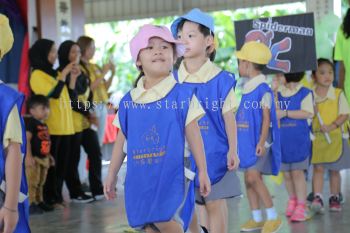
[(317, 179), (253, 197), (203, 216), (194, 226), (334, 182), (169, 227), (254, 180), (299, 182), (43, 173), (33, 179), (150, 230), (217, 216), (289, 184)]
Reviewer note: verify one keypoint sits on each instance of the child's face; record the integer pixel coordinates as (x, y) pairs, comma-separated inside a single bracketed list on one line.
[(40, 112), (74, 54), (52, 56), (324, 75), (242, 68), (195, 42), (157, 59)]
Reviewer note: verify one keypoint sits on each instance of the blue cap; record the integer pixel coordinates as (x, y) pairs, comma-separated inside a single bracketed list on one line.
[(197, 16)]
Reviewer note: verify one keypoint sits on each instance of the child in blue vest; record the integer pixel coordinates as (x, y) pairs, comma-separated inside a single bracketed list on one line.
[(13, 189), (330, 154), (295, 109), (155, 118), (215, 90), (255, 114)]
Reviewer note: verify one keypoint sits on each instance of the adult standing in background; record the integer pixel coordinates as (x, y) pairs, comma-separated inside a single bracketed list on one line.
[(342, 54), (98, 85)]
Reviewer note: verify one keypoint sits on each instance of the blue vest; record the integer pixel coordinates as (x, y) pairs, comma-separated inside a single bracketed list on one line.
[(8, 99), (295, 133), (211, 96), (249, 119), (155, 181)]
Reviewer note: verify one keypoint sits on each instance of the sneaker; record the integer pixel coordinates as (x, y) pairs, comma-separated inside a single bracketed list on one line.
[(334, 204), (300, 214), (82, 199), (291, 207), (272, 226), (310, 198), (45, 207), (251, 225), (34, 209), (317, 205)]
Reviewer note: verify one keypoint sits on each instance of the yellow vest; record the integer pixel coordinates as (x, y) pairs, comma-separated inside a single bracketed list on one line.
[(322, 152), (60, 120)]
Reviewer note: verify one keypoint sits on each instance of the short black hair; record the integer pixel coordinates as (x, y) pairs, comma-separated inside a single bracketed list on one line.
[(322, 61), (204, 30), (294, 77), (36, 100)]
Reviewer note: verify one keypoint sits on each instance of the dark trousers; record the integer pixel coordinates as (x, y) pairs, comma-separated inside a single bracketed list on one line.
[(92, 148), (72, 179), (60, 150)]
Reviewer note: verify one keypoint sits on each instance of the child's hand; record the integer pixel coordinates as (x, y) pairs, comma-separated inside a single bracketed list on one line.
[(29, 161), (327, 128), (204, 184), (260, 149), (52, 161), (232, 161), (75, 72), (280, 114), (8, 220), (109, 188)]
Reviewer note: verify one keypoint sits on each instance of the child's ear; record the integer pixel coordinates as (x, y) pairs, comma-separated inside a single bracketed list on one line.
[(138, 63), (210, 41)]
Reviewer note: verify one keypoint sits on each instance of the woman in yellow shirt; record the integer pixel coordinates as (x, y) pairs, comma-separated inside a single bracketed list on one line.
[(99, 85), (46, 81), (79, 92)]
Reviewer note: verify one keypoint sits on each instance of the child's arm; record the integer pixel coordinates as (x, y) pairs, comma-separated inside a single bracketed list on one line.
[(195, 142), (260, 148), (116, 162), (335, 124), (29, 161), (13, 171), (231, 131), (294, 114)]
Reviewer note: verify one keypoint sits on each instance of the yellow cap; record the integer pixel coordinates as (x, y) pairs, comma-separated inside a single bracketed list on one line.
[(6, 38), (255, 52)]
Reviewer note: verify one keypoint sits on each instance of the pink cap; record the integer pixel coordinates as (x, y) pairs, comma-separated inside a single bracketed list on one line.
[(146, 32)]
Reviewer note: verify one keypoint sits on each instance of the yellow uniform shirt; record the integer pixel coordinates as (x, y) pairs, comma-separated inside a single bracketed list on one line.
[(100, 93), (343, 103), (207, 72), (306, 104), (60, 120), (13, 130), (252, 83), (159, 91)]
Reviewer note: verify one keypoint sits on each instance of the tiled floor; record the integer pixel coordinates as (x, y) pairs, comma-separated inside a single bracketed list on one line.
[(108, 217)]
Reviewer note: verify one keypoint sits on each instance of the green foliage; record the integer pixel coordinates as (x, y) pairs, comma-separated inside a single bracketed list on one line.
[(224, 31)]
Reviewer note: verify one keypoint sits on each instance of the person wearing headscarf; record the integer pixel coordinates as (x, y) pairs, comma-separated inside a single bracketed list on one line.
[(13, 186), (80, 96), (45, 80)]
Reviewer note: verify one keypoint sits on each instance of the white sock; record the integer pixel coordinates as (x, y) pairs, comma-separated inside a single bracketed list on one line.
[(257, 215), (271, 213)]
